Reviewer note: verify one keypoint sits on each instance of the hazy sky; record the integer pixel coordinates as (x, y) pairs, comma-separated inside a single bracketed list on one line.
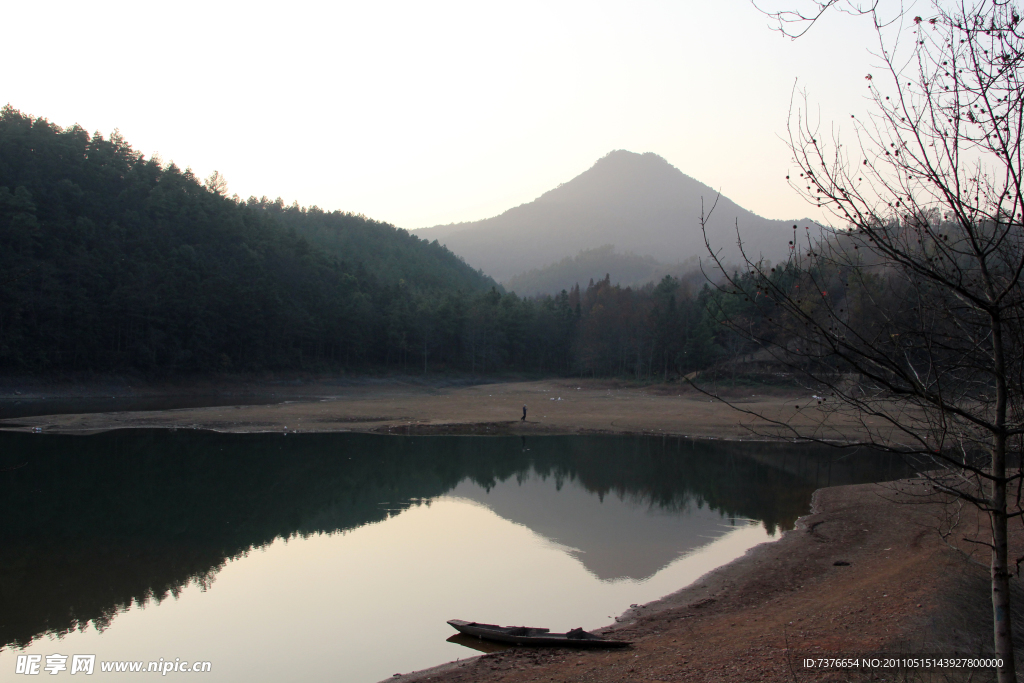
[(424, 113)]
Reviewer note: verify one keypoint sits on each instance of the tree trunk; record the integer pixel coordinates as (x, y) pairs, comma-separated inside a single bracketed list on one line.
[(1000, 571), (1000, 555)]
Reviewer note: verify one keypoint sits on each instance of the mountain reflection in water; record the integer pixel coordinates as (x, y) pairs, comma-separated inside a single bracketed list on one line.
[(93, 524), (614, 537)]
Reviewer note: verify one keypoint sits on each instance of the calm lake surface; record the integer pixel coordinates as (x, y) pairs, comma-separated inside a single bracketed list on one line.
[(339, 557)]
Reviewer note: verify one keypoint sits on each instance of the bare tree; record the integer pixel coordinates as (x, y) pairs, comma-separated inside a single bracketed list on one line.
[(907, 312), (216, 183)]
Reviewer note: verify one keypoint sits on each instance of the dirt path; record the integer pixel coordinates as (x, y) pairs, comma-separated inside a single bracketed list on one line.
[(553, 406), (862, 574)]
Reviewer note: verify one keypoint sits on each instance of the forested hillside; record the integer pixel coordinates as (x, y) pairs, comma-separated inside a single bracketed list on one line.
[(391, 254), (110, 261), (630, 271)]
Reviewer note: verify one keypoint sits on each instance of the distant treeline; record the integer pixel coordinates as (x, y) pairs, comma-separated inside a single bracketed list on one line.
[(630, 270), (110, 261)]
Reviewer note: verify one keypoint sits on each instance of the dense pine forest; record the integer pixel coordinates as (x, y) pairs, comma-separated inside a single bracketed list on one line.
[(111, 261)]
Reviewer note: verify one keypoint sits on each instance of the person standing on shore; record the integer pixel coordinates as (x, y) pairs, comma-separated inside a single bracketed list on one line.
[(524, 414)]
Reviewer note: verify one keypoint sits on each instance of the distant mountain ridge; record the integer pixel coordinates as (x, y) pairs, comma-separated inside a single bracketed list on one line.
[(638, 202), (627, 270)]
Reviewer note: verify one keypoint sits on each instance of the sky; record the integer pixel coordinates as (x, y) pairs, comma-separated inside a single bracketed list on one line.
[(420, 114)]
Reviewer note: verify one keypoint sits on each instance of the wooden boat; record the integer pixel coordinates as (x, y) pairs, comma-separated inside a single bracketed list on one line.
[(478, 644), (540, 637)]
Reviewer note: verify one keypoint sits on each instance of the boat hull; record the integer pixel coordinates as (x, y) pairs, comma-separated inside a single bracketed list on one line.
[(532, 637)]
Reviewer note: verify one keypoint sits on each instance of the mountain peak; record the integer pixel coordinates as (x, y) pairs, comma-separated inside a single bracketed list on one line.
[(639, 202), (625, 163), (620, 156)]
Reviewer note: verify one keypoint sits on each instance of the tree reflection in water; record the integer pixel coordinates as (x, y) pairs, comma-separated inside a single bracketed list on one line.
[(95, 523)]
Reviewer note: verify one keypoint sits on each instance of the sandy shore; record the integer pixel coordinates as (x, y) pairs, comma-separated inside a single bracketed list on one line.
[(553, 407)]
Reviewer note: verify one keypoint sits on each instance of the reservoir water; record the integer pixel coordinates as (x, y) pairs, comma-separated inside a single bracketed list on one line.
[(339, 557)]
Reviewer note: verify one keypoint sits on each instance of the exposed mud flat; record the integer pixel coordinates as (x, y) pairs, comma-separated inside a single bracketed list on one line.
[(553, 407)]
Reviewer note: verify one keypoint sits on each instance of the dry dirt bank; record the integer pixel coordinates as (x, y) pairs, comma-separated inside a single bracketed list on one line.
[(553, 406), (902, 590)]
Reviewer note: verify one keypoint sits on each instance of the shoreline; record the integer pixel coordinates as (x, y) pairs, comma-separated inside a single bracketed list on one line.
[(559, 406), (898, 587), (702, 589), (845, 581)]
